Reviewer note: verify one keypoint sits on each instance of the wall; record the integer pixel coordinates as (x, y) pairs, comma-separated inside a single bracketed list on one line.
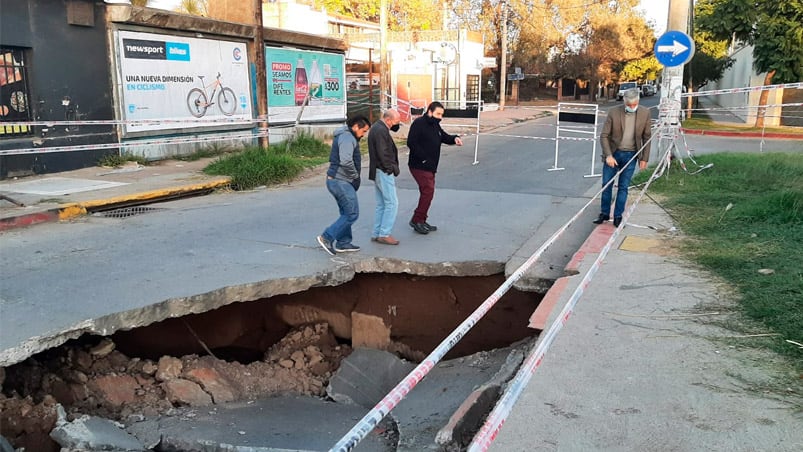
[(66, 64), (742, 75)]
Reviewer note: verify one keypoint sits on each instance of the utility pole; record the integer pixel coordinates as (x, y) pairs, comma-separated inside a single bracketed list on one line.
[(503, 63), (261, 75), (672, 83), (383, 54)]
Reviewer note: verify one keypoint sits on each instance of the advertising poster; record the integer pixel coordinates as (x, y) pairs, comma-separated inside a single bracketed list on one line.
[(182, 81), (295, 74)]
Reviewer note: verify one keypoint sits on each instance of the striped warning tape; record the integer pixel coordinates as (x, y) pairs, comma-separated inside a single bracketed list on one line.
[(128, 144), (397, 394), (493, 424), (747, 89)]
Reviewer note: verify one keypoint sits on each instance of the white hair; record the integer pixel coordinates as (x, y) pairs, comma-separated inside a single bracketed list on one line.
[(630, 95)]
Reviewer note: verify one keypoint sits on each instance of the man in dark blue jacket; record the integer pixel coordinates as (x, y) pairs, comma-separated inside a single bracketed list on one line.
[(424, 140), (342, 181)]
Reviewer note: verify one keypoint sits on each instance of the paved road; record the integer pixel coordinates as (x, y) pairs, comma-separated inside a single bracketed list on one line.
[(99, 275)]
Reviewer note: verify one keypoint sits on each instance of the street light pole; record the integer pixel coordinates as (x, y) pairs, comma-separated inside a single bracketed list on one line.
[(261, 75), (383, 54), (503, 62)]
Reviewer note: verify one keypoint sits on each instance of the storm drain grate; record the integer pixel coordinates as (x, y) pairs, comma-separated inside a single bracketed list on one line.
[(125, 212)]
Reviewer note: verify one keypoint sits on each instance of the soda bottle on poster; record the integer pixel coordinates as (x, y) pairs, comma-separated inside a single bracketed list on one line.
[(315, 84), (302, 85)]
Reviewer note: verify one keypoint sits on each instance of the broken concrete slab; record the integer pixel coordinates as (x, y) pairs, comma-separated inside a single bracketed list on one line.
[(93, 433), (468, 418), (432, 402), (277, 423), (366, 376)]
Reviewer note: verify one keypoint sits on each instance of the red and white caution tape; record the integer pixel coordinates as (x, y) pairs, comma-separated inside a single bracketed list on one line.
[(747, 89), (493, 424), (127, 144)]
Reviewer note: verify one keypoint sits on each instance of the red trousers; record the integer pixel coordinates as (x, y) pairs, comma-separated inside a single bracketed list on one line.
[(426, 188)]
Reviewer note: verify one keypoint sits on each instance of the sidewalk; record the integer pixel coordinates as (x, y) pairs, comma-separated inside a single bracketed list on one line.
[(641, 364), (62, 196)]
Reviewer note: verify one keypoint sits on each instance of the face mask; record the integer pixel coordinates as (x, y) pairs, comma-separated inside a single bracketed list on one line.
[(631, 110), (433, 120), (395, 127)]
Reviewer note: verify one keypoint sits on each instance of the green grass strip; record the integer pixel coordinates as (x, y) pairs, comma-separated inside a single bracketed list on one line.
[(746, 214)]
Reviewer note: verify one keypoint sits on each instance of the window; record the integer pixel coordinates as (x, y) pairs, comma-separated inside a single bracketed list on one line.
[(472, 88), (14, 95)]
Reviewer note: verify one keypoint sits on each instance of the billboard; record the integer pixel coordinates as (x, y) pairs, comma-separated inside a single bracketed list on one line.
[(295, 74), (181, 80)]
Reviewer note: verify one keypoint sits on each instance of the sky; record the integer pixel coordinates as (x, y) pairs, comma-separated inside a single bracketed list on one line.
[(655, 10)]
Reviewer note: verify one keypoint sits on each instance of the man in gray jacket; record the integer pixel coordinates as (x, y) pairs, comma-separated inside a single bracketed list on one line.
[(623, 136), (342, 181)]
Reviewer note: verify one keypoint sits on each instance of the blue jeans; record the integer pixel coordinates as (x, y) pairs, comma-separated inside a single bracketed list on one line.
[(608, 173), (346, 197), (387, 204)]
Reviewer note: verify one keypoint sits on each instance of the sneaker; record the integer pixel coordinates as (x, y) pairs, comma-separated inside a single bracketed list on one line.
[(326, 245), (419, 227), (430, 227), (346, 248)]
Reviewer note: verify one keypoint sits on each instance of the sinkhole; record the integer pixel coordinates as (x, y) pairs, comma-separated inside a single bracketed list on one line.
[(286, 344)]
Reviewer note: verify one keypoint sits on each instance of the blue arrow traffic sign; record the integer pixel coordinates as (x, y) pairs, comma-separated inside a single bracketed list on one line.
[(674, 48)]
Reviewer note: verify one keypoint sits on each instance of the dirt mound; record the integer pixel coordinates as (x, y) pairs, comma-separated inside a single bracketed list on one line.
[(98, 380)]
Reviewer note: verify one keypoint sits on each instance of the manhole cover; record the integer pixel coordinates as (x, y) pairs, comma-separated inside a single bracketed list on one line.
[(125, 212)]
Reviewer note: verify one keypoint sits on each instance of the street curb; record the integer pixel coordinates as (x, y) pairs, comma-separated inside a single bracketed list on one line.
[(722, 133), (73, 210), (592, 245)]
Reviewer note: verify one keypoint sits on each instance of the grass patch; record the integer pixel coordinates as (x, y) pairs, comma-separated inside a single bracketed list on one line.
[(114, 160), (255, 166), (703, 122), (743, 215), (213, 150)]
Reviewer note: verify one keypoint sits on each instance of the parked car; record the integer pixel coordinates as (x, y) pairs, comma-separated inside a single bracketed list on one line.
[(647, 90), (624, 86)]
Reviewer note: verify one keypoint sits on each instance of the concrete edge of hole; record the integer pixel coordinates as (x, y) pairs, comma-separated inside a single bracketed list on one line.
[(468, 418)]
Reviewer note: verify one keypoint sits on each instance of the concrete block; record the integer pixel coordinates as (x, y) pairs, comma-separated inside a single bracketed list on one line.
[(366, 376), (93, 433)]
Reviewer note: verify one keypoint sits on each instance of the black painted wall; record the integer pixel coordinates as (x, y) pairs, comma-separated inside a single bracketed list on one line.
[(66, 62)]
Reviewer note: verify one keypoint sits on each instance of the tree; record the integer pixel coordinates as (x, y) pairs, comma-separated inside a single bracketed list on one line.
[(772, 27), (402, 14), (642, 69), (194, 7)]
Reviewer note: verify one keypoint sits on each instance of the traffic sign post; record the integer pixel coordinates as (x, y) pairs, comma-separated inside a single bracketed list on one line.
[(674, 48)]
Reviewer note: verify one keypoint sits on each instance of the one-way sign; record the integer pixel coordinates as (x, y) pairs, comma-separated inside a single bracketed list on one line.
[(674, 48)]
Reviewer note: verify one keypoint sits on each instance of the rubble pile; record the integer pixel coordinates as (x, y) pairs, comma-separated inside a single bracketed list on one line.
[(101, 381)]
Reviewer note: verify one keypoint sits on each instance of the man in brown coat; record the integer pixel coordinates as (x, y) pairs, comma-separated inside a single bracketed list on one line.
[(623, 136)]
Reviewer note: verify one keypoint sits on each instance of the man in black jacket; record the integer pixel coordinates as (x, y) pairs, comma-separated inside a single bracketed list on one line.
[(424, 141)]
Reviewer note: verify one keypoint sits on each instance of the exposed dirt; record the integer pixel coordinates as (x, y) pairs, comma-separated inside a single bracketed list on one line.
[(289, 344), (99, 380)]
